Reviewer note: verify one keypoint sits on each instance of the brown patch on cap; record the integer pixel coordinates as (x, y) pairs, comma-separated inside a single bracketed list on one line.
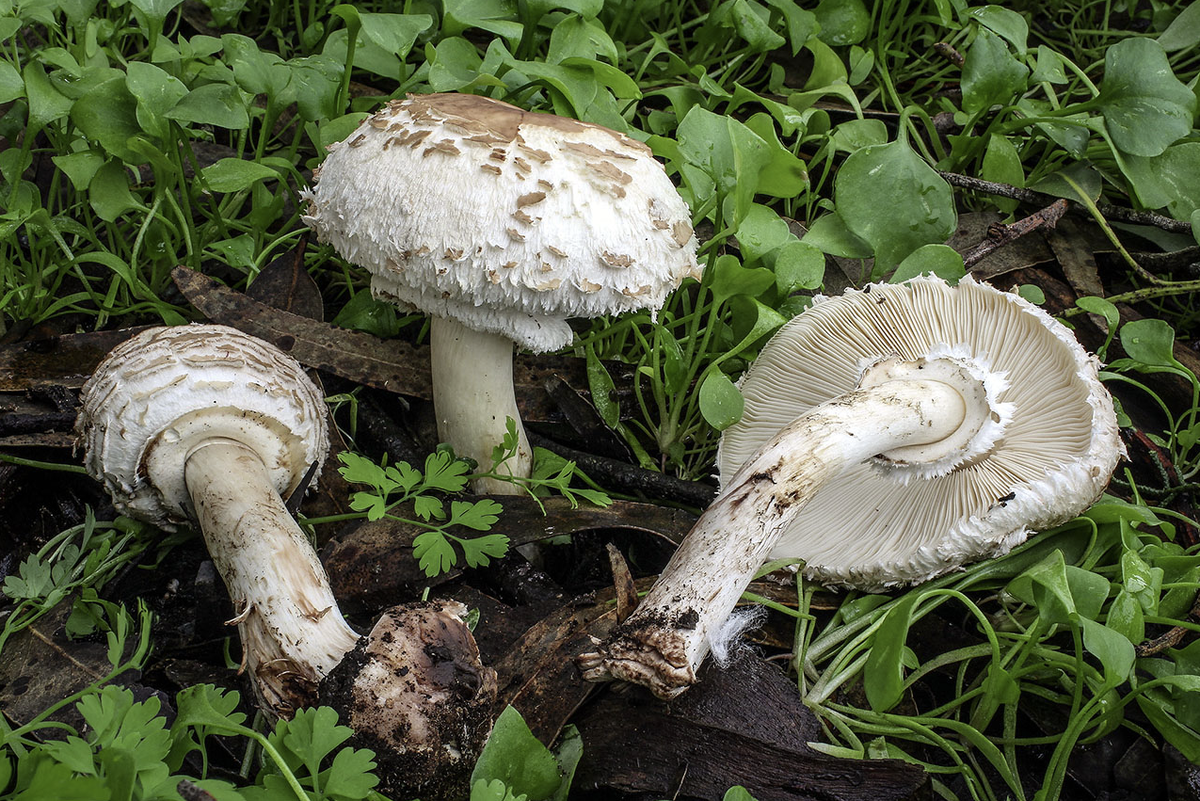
[(522, 217), (540, 156), (588, 286), (513, 233), (492, 168), (499, 120), (530, 198), (508, 265), (544, 185), (444, 146), (358, 140), (522, 165), (610, 171), (616, 260), (557, 252), (453, 254), (681, 232)]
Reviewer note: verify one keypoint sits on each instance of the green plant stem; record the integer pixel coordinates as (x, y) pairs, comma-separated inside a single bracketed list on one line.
[(54, 466), (1165, 290)]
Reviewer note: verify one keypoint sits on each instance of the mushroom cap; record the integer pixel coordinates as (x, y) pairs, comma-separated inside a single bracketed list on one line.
[(1047, 455), (162, 392), (507, 221)]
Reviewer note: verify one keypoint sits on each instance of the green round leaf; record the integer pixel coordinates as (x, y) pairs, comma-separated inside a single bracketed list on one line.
[(829, 234), (1095, 305), (843, 22), (1004, 22), (799, 265), (1145, 107), (212, 104), (991, 74), (940, 260), (233, 174), (761, 231), (1150, 342), (721, 402), (1032, 293), (888, 196)]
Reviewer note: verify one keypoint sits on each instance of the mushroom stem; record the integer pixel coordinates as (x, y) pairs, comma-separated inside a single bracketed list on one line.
[(667, 638), (291, 630), (473, 396)]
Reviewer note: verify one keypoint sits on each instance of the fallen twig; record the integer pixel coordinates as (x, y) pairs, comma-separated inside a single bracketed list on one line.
[(1109, 211), (999, 235), (947, 51), (1186, 260)]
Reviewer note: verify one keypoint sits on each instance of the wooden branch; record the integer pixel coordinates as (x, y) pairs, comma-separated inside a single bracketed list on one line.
[(1109, 211)]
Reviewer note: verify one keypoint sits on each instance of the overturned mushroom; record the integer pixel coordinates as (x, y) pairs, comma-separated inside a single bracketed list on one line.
[(889, 436), (206, 423), (500, 224)]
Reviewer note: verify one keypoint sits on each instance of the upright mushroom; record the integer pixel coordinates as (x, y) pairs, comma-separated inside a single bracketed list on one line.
[(889, 435), (500, 224), (204, 423)]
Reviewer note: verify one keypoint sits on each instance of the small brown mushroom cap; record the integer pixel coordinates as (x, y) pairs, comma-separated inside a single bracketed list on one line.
[(507, 221), (163, 391), (1045, 455)]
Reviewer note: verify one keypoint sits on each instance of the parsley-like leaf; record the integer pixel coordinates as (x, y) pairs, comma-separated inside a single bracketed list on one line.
[(434, 553), (374, 505), (444, 472), (405, 475), (349, 776), (427, 506), (480, 515), (32, 581), (479, 551), (359, 470)]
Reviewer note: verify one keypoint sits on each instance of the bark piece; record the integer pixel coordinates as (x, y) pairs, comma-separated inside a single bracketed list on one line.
[(1022, 252), (286, 285), (745, 725), (67, 360)]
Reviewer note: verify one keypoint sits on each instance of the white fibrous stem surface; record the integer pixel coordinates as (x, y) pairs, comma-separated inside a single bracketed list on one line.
[(667, 638), (473, 398), (291, 629)]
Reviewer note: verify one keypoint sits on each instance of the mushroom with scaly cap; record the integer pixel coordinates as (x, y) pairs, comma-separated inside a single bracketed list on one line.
[(500, 224), (889, 435), (204, 423)]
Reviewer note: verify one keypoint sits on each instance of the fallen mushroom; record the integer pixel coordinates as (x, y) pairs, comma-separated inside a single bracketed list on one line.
[(889, 436), (500, 224), (206, 423)]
